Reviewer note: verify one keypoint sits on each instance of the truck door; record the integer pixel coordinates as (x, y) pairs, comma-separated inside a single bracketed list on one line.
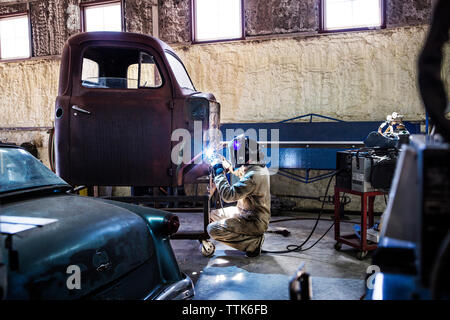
[(121, 117)]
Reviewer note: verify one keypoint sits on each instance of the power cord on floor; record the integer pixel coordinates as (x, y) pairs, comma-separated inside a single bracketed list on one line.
[(312, 218), (299, 248)]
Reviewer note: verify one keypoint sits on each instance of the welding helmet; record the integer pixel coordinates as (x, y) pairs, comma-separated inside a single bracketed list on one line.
[(245, 151)]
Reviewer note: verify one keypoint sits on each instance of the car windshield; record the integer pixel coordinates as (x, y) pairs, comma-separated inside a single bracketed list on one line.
[(180, 71), (20, 170)]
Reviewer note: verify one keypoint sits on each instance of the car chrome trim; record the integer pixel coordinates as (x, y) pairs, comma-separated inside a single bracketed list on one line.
[(180, 290)]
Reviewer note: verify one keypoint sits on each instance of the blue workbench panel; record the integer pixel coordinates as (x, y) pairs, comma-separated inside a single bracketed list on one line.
[(312, 158)]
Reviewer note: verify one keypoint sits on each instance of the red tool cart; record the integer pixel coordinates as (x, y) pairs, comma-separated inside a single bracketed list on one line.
[(367, 221)]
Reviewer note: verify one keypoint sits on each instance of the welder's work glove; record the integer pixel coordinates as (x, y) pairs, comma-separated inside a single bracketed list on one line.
[(217, 169)]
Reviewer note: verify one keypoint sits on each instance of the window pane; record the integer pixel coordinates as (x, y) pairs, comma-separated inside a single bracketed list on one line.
[(90, 70), (15, 37), (118, 68), (218, 19), (132, 76), (106, 17), (368, 13), (180, 72), (346, 14), (106, 67), (149, 77)]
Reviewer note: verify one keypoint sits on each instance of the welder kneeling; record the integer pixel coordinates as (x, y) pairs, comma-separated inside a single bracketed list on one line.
[(242, 226)]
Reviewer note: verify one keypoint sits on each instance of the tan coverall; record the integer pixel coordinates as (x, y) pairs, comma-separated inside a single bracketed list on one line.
[(242, 227)]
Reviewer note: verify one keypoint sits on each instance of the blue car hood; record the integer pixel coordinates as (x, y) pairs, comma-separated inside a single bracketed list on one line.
[(105, 241)]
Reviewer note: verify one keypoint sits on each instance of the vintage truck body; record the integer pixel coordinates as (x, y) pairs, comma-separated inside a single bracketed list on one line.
[(120, 97)]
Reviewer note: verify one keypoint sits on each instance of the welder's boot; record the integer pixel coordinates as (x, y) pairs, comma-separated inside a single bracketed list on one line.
[(257, 251), (252, 254)]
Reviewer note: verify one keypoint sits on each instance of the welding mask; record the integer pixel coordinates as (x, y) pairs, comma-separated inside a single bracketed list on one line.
[(245, 151)]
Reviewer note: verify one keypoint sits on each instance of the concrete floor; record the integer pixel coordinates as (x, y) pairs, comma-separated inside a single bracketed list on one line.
[(230, 275)]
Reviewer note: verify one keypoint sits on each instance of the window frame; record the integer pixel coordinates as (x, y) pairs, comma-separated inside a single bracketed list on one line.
[(194, 26), (78, 84), (30, 41), (97, 3), (323, 16)]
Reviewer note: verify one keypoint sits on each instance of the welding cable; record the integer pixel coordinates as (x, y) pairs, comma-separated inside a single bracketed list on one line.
[(329, 199), (218, 194), (321, 237), (299, 248), (221, 204), (216, 191), (312, 218)]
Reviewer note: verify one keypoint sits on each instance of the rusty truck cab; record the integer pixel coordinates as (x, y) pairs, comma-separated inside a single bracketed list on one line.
[(120, 97)]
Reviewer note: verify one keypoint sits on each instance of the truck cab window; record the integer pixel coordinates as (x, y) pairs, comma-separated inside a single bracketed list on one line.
[(147, 76), (179, 70), (119, 68), (90, 71)]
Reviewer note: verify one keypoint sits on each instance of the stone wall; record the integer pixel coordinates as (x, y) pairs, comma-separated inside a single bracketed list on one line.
[(280, 16), (138, 16), (7, 7), (407, 12), (174, 21)]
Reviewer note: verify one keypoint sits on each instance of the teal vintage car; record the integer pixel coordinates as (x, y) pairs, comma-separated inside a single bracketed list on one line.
[(58, 245)]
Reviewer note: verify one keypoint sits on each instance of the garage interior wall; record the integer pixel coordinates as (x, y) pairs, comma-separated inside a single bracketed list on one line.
[(284, 68)]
